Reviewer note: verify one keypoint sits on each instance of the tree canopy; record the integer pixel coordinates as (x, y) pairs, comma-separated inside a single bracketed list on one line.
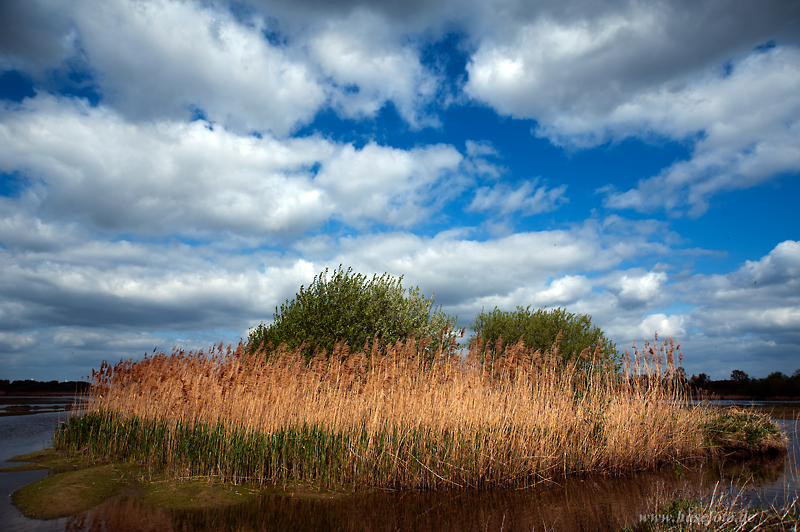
[(538, 330), (350, 307), (738, 375)]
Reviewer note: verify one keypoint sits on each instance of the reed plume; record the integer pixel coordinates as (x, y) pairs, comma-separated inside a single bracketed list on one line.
[(394, 416)]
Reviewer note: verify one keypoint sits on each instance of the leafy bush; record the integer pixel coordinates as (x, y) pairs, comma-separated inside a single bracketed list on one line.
[(538, 330), (741, 429), (349, 307)]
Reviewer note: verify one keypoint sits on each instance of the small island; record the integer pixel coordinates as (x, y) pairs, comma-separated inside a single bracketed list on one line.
[(216, 427)]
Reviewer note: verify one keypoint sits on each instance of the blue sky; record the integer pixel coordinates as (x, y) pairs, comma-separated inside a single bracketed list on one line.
[(170, 172)]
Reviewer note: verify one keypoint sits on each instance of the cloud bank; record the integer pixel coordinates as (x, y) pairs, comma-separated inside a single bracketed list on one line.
[(172, 171)]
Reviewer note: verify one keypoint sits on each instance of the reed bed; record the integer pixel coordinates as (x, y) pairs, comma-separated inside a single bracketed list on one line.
[(398, 416)]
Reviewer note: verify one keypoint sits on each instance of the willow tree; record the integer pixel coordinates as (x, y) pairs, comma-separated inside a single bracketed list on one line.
[(539, 328), (350, 307)]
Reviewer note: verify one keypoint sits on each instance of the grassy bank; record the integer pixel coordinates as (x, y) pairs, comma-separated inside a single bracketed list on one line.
[(400, 417), (79, 483)]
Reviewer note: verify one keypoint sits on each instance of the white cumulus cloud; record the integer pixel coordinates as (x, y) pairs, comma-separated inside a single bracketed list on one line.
[(91, 165), (528, 198)]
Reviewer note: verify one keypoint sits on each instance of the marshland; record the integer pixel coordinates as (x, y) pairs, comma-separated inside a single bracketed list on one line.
[(401, 431), (296, 410), (403, 417)]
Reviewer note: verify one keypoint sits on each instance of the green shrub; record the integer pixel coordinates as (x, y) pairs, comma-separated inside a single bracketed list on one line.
[(349, 307), (741, 429), (538, 330)]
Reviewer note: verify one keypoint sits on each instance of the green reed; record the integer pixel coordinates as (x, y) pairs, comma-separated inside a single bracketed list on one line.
[(413, 457)]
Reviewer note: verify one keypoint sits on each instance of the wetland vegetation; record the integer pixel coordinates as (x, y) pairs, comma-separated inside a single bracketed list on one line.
[(395, 418), (403, 412), (187, 430)]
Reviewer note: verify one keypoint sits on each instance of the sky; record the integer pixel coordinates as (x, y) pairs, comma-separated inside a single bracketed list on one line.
[(171, 171)]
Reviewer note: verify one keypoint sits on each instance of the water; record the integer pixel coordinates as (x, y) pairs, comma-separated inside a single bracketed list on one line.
[(22, 434), (575, 504), (11, 405), (777, 481)]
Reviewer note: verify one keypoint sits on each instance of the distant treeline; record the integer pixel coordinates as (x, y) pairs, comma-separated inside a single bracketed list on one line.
[(773, 385), (8, 387)]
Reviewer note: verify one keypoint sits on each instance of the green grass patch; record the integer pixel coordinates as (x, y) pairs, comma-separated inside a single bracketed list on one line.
[(744, 431), (21, 467), (68, 493), (83, 482), (56, 461), (195, 493)]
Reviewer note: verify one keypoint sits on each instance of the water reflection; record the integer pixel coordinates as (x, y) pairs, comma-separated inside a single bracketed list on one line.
[(775, 480), (589, 503), (578, 504)]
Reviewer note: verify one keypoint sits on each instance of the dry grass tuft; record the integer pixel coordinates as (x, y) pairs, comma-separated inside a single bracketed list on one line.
[(400, 416)]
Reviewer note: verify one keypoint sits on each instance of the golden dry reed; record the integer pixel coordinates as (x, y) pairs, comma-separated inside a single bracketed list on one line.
[(398, 416)]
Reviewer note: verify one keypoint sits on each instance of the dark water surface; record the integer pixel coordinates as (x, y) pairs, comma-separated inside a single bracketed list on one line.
[(23, 434), (11, 405), (575, 504)]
